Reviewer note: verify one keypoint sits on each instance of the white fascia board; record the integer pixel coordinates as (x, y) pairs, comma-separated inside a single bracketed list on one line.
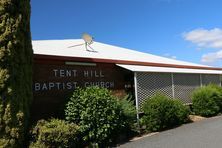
[(139, 68)]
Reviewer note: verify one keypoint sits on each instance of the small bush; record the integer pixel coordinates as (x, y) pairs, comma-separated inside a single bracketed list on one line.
[(160, 112), (219, 98), (206, 101), (98, 114), (129, 113), (54, 133)]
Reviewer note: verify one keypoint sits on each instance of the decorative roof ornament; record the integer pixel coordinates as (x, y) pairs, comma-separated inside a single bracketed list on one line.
[(88, 41)]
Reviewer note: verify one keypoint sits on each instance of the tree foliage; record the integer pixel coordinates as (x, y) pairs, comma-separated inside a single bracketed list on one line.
[(15, 70)]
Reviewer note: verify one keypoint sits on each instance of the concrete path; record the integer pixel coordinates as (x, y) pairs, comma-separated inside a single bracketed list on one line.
[(203, 134)]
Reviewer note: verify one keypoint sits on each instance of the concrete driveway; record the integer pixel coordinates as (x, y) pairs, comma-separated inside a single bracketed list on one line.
[(203, 134)]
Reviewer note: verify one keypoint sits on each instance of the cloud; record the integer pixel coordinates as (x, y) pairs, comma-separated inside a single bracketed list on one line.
[(169, 56), (204, 38), (212, 57)]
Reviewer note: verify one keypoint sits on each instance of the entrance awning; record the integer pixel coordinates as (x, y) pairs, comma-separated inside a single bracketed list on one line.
[(148, 80), (139, 68)]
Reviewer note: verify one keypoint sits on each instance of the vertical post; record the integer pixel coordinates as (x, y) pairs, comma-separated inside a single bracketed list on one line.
[(136, 96), (201, 81), (172, 81)]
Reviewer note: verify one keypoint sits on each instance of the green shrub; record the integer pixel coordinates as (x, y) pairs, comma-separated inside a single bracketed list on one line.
[(206, 101), (97, 112), (160, 112), (54, 133), (219, 98), (129, 112)]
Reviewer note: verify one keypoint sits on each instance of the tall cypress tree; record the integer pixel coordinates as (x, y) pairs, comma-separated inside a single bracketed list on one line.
[(15, 71)]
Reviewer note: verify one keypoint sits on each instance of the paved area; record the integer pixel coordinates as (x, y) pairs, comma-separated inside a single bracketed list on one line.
[(203, 134)]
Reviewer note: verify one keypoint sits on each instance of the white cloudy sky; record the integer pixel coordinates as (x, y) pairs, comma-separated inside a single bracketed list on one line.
[(207, 38)]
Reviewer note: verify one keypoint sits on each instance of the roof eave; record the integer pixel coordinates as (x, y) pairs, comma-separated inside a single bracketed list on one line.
[(97, 60)]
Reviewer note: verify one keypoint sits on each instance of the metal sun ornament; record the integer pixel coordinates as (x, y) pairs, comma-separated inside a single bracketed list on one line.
[(88, 39)]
